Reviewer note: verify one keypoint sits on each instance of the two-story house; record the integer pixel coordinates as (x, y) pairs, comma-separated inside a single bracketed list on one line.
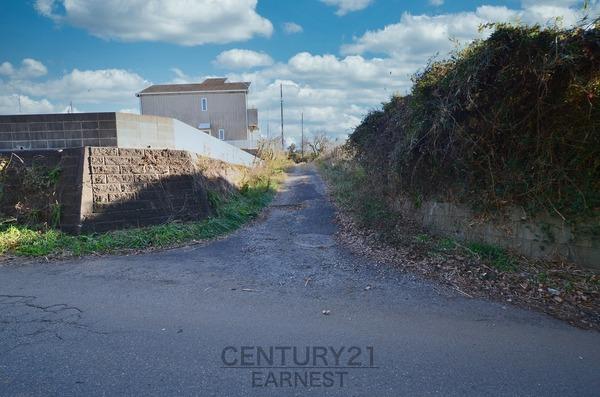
[(214, 106)]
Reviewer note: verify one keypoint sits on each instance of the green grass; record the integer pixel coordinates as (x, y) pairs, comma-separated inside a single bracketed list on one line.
[(422, 238), (353, 191), (351, 188), (230, 213), (496, 256), (446, 244)]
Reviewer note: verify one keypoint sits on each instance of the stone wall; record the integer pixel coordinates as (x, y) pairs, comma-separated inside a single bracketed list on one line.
[(107, 188), (138, 187), (57, 131), (545, 237)]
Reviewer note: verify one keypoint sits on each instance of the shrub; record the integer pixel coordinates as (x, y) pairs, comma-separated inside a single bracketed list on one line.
[(510, 120)]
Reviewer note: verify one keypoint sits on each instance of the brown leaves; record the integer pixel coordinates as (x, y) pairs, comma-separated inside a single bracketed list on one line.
[(562, 290)]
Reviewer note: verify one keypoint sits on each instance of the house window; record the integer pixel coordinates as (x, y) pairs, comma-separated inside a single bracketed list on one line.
[(204, 104), (222, 134)]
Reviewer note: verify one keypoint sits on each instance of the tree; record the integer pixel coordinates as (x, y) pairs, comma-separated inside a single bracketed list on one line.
[(319, 143), (292, 152)]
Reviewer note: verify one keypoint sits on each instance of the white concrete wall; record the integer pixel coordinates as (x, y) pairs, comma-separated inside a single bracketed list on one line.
[(154, 132), (245, 144), (193, 140), (136, 131)]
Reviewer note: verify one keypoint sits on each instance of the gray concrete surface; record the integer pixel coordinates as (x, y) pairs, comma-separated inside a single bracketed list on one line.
[(156, 324)]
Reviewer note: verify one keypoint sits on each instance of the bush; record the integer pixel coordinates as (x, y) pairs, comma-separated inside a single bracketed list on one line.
[(510, 120)]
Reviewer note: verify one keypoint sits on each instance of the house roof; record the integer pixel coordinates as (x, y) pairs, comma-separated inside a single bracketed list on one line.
[(214, 84)]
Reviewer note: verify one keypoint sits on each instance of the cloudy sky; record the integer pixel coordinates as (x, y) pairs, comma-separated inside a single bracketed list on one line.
[(337, 59)]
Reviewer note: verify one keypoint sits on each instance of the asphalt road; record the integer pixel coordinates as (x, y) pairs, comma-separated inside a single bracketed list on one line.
[(158, 323)]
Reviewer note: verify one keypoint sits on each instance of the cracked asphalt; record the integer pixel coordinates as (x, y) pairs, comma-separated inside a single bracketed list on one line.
[(157, 323)]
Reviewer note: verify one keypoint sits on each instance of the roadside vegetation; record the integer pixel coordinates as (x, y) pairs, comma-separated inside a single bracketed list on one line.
[(513, 120), (509, 121), (230, 209), (369, 226)]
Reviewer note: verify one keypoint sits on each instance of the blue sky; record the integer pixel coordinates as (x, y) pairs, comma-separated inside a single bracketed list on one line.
[(337, 59)]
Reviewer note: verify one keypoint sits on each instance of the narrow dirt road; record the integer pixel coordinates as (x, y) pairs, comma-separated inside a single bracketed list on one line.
[(158, 323)]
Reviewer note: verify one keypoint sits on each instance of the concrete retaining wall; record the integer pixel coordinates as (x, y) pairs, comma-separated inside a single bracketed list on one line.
[(544, 237), (187, 138), (145, 132), (142, 131), (138, 187), (57, 131), (107, 188)]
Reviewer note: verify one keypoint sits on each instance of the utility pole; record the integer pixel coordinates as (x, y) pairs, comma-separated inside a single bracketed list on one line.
[(281, 96), (302, 139), (268, 124)]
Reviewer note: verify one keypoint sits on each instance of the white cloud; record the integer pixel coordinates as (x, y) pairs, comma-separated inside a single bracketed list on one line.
[(436, 3), (12, 104), (331, 71), (88, 86), (176, 21), (346, 6), (418, 37), (242, 59), (292, 27), (561, 3), (182, 78), (30, 68), (7, 69), (106, 89)]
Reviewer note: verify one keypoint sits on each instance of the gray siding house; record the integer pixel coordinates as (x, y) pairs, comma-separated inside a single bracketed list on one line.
[(214, 106)]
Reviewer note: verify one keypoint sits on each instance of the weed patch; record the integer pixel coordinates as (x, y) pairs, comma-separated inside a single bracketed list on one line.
[(496, 256)]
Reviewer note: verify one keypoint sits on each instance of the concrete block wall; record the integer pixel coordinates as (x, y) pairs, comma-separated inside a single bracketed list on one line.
[(139, 187), (108, 188), (543, 237), (57, 131)]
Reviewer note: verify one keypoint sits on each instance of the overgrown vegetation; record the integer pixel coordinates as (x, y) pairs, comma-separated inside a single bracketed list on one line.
[(37, 188), (230, 211), (350, 186), (513, 120), (353, 191), (369, 226)]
